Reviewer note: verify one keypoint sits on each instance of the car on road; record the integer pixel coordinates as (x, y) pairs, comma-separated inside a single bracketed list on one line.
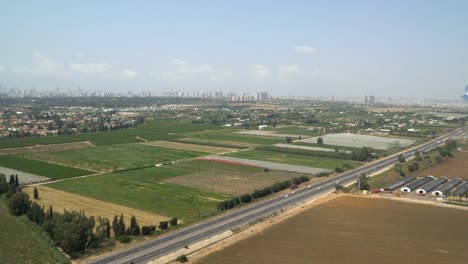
[(286, 196)]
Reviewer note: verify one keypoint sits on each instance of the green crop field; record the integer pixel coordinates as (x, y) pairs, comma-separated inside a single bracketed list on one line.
[(143, 189), (24, 242), (232, 136), (52, 171), (151, 130), (298, 130), (116, 157), (311, 161)]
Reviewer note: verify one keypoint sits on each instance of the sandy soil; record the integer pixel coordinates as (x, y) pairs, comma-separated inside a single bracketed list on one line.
[(351, 230), (51, 147), (61, 200), (191, 147)]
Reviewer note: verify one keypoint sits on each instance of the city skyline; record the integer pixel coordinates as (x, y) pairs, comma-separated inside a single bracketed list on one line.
[(302, 48)]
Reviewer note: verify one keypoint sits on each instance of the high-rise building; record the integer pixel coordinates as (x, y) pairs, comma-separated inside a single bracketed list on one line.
[(262, 96)]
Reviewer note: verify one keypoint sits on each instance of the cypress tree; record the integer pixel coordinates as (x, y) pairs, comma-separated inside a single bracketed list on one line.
[(36, 193), (121, 225), (12, 180), (16, 181), (115, 226), (134, 227)]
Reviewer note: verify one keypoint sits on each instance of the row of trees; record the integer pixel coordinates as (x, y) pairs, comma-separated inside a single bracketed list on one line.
[(249, 197), (72, 231), (362, 154)]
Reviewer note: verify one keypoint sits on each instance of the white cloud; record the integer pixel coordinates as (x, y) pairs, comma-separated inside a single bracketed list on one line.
[(260, 71), (184, 70), (129, 74), (285, 71), (41, 64), (306, 49), (92, 67), (2, 68)]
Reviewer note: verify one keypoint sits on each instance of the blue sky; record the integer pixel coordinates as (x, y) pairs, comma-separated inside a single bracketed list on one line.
[(311, 48)]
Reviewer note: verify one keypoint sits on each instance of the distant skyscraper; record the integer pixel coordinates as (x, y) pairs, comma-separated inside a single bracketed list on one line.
[(262, 97), (369, 100)]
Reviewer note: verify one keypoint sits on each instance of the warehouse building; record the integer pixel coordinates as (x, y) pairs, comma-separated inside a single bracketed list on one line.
[(431, 186), (412, 186), (399, 183), (461, 190), (443, 189)]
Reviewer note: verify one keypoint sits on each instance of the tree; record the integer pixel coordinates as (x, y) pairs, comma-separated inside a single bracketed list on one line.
[(115, 226), (121, 226), (163, 225), (338, 170), (16, 181), (289, 140), (18, 204), (401, 158), (3, 184), (36, 214), (36, 193), (320, 141), (362, 182), (134, 228), (173, 221), (182, 259), (11, 182)]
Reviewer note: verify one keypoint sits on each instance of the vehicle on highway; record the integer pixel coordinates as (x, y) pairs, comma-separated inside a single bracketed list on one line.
[(286, 196)]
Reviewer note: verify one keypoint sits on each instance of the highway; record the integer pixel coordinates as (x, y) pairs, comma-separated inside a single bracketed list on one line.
[(152, 249)]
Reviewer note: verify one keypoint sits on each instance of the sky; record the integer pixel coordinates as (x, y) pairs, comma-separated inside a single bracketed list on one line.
[(302, 48)]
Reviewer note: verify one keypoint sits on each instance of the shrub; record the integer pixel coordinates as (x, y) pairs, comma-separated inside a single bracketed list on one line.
[(182, 259), (148, 230), (338, 170), (124, 239)]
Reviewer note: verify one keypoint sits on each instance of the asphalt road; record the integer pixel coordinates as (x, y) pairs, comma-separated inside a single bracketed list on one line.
[(150, 250)]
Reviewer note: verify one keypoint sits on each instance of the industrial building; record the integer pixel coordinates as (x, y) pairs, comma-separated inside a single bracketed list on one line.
[(443, 189), (399, 183), (412, 186), (461, 190), (431, 186)]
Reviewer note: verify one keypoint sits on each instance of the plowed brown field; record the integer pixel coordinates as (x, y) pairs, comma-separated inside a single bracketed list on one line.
[(357, 230)]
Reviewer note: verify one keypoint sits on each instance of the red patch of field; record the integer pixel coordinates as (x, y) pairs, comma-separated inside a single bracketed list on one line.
[(230, 162)]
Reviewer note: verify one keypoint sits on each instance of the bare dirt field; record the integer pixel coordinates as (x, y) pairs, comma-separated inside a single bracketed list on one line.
[(61, 200), (454, 167), (221, 142), (232, 182), (356, 230), (191, 147), (45, 148)]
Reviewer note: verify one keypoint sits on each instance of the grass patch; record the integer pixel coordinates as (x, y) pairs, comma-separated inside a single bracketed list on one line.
[(151, 130), (143, 189), (311, 161), (24, 242), (117, 157), (52, 171)]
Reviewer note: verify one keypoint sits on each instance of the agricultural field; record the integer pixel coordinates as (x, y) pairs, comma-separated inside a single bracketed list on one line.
[(145, 190), (297, 130), (190, 147), (24, 242), (362, 230), (269, 133), (23, 177), (357, 141), (227, 178), (296, 159), (151, 130), (61, 201), (45, 148), (453, 167), (281, 145), (39, 168), (232, 136), (116, 157), (219, 143)]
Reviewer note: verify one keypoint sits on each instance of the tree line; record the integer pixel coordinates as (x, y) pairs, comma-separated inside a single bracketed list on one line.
[(249, 197), (72, 231), (361, 154)]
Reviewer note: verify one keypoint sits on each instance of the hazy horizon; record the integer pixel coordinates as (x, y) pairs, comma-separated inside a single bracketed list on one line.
[(303, 48)]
